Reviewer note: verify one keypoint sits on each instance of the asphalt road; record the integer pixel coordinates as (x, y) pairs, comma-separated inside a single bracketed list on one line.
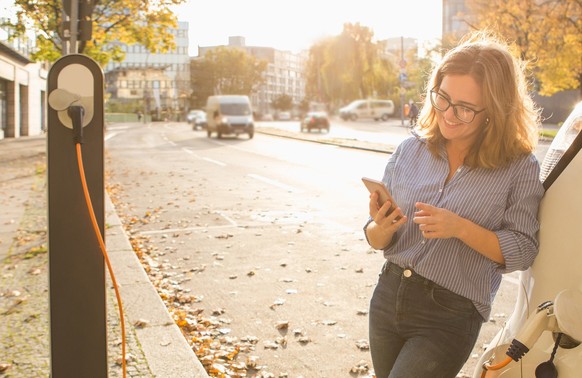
[(265, 235)]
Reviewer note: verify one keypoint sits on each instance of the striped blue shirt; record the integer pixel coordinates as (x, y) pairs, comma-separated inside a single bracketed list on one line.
[(504, 200)]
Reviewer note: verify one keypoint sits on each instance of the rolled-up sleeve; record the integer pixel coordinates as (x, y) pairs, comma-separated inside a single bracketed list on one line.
[(387, 178), (518, 235)]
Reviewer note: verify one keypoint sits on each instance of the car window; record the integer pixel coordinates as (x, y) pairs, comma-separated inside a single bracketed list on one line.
[(562, 141), (235, 109)]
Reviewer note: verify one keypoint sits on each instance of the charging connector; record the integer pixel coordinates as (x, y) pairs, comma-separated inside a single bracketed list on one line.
[(77, 112)]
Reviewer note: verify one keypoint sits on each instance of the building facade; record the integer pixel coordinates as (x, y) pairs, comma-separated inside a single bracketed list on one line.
[(22, 91), (284, 74), (456, 18), (158, 82)]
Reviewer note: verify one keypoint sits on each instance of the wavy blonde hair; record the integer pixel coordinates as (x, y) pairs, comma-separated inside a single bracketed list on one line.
[(512, 120)]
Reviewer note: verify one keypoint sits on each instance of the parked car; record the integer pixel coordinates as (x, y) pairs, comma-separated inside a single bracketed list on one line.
[(315, 120), (197, 118), (544, 333), (361, 109), (284, 116)]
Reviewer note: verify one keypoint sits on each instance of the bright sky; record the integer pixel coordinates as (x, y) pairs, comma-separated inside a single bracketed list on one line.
[(297, 24)]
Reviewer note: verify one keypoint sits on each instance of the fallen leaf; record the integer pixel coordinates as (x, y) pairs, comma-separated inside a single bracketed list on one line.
[(361, 367), (363, 344), (271, 345), (304, 340), (218, 311), (282, 324), (282, 340), (141, 323)]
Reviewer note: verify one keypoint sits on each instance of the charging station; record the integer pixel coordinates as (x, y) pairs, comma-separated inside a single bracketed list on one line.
[(78, 323)]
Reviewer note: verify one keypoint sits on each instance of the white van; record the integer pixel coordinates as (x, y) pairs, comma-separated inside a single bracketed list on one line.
[(362, 109), (229, 114)]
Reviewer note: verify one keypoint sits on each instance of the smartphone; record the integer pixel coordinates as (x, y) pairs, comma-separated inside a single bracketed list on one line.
[(383, 193)]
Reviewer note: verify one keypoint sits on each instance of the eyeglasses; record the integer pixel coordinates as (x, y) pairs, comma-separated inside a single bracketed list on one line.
[(462, 112)]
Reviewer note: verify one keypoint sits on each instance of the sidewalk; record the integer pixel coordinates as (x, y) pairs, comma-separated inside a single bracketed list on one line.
[(157, 349)]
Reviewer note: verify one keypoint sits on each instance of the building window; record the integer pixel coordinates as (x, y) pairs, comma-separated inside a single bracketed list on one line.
[(3, 114)]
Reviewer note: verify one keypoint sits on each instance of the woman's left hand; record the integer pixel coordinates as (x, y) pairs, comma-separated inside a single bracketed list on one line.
[(437, 223)]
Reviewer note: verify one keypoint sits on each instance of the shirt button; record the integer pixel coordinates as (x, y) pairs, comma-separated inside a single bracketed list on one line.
[(407, 273)]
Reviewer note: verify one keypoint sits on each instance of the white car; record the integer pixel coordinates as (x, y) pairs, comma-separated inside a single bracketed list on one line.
[(284, 116), (367, 109), (546, 324), (197, 118)]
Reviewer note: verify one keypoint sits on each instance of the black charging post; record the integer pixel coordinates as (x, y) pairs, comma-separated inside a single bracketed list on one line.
[(78, 328)]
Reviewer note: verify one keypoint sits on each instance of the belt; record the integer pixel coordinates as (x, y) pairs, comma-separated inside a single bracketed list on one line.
[(409, 275)]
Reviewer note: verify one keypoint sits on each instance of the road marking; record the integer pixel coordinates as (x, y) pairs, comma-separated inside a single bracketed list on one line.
[(214, 161), (229, 219), (276, 183), (166, 230), (232, 223), (189, 151), (118, 127), (110, 135)]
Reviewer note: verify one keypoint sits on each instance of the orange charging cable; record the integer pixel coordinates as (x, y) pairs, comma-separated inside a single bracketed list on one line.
[(500, 365), (104, 251)]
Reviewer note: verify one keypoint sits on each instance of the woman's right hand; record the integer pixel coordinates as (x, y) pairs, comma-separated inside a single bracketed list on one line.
[(384, 225)]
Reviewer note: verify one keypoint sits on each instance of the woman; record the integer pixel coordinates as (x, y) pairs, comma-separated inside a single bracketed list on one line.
[(468, 193)]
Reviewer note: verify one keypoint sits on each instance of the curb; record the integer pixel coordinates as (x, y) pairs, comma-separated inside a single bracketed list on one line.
[(165, 348), (340, 142)]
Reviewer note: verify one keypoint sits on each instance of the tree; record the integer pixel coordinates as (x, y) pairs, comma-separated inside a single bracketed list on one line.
[(114, 22), (546, 33), (348, 66), (226, 71), (282, 102)]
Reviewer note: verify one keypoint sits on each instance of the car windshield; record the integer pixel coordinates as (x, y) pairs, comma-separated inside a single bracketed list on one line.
[(568, 132), (235, 109)]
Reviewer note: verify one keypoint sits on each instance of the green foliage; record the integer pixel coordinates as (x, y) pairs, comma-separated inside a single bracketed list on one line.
[(226, 71), (130, 106), (282, 102), (349, 66), (114, 22)]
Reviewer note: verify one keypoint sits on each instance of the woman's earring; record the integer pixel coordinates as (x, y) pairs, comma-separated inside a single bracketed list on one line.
[(487, 120)]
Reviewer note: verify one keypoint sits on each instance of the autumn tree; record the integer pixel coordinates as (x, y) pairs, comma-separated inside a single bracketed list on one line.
[(114, 22), (348, 66), (546, 33), (226, 71), (418, 70), (282, 102)]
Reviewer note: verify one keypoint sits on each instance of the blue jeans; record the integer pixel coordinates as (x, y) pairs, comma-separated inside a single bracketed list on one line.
[(418, 328)]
